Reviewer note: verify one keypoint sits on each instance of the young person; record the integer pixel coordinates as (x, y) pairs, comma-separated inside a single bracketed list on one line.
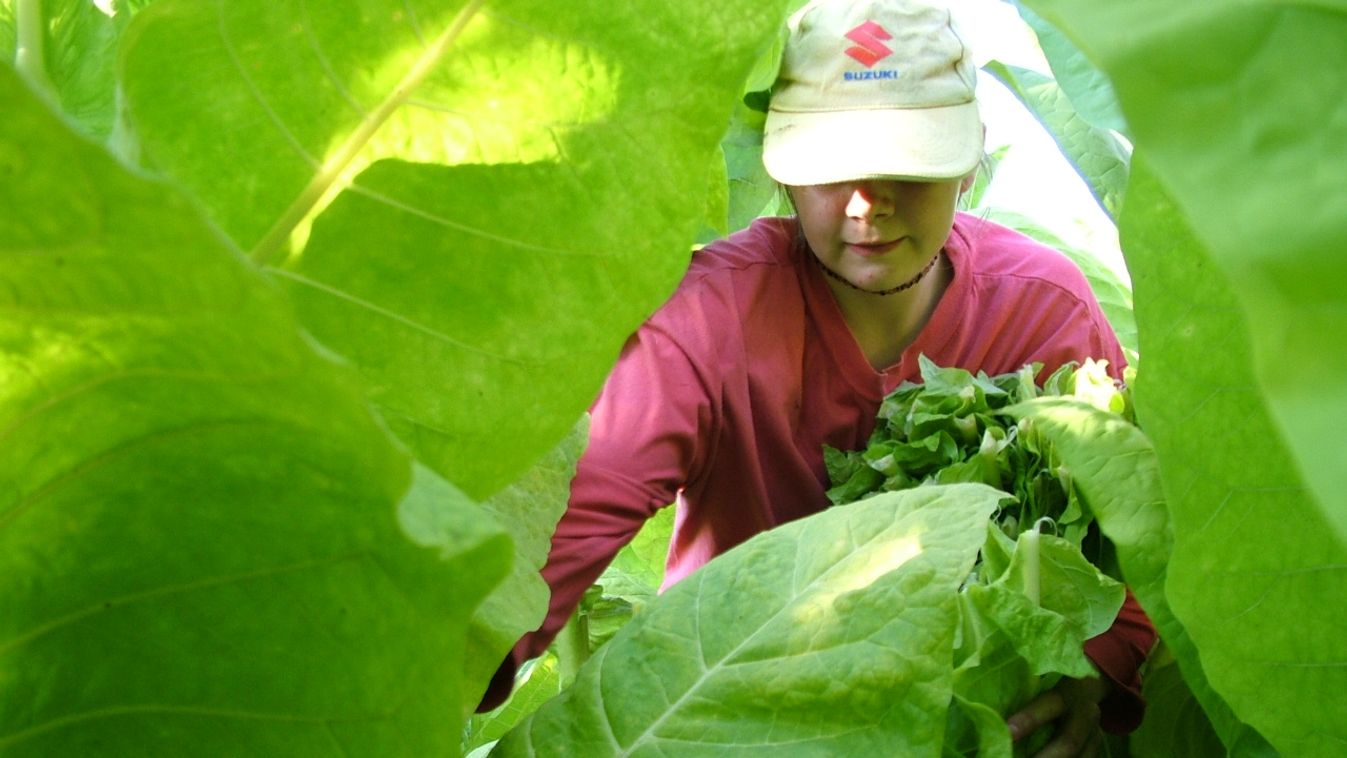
[(786, 336)]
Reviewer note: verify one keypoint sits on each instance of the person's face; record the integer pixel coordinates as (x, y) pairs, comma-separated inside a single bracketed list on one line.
[(876, 234)]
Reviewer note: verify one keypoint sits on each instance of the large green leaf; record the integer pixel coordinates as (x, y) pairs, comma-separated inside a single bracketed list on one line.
[(8, 31), (1239, 105), (483, 298), (1098, 156), (1175, 726), (1255, 563), (1085, 86), (832, 635), (531, 507), (478, 357), (1116, 471), (1236, 106), (204, 545)]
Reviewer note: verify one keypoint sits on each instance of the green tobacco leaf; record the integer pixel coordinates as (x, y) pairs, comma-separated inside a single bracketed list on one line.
[(1098, 156), (1253, 553), (1089, 90), (531, 507), (538, 682), (1114, 468), (9, 31), (1232, 104), (471, 358), (991, 677), (715, 217), (751, 188), (81, 54), (637, 572), (989, 737), (68, 51), (1066, 583), (484, 298), (203, 543), (1046, 641), (1175, 726), (831, 635), (1236, 103)]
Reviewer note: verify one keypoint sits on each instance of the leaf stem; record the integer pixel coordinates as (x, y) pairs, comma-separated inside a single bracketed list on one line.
[(572, 647), (1029, 548), (331, 170), (29, 56)]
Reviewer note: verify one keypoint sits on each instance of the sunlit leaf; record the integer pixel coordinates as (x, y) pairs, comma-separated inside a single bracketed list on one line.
[(830, 635), (1098, 156), (1085, 86), (527, 184)]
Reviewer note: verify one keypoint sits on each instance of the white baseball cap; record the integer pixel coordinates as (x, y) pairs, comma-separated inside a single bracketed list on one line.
[(881, 89)]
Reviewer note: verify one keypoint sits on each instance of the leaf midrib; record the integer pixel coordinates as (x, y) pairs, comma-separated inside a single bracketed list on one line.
[(330, 172), (708, 672)]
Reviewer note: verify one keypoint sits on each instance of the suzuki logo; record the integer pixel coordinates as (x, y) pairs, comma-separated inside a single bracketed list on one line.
[(871, 49)]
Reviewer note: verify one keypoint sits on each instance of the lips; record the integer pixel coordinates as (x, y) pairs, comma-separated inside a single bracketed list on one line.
[(871, 249)]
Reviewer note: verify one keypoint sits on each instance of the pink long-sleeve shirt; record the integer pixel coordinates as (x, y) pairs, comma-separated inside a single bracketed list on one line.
[(722, 402)]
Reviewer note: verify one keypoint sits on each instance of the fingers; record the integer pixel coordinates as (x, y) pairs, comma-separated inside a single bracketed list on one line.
[(1077, 733), (1073, 745), (1075, 709), (1042, 710)]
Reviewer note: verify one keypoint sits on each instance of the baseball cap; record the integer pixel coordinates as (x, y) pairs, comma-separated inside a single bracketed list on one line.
[(878, 89)]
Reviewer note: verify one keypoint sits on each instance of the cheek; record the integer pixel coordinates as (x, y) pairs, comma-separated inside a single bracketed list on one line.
[(819, 218), (937, 209)]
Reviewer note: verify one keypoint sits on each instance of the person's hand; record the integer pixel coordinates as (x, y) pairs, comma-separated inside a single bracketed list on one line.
[(1074, 705)]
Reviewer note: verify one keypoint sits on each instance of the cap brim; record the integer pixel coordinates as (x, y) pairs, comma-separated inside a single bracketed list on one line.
[(923, 144)]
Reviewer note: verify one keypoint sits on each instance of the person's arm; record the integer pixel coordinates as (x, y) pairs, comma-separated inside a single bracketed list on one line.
[(644, 444)]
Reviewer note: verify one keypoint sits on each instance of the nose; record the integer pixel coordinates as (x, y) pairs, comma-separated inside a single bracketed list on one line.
[(871, 200)]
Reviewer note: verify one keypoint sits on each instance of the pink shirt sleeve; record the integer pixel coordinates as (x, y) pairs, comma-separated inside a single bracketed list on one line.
[(649, 417), (1119, 653)]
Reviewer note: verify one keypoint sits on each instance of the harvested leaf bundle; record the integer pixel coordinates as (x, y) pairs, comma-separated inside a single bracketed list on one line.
[(1039, 588)]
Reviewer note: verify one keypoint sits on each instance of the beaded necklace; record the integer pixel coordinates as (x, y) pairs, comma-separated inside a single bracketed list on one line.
[(910, 283)]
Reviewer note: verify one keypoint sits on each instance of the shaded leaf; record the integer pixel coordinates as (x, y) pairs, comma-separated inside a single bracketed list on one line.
[(203, 536), (1250, 543), (1237, 106), (531, 507), (1175, 725)]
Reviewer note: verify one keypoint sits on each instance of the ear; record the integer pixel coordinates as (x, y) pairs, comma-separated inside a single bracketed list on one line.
[(966, 183)]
